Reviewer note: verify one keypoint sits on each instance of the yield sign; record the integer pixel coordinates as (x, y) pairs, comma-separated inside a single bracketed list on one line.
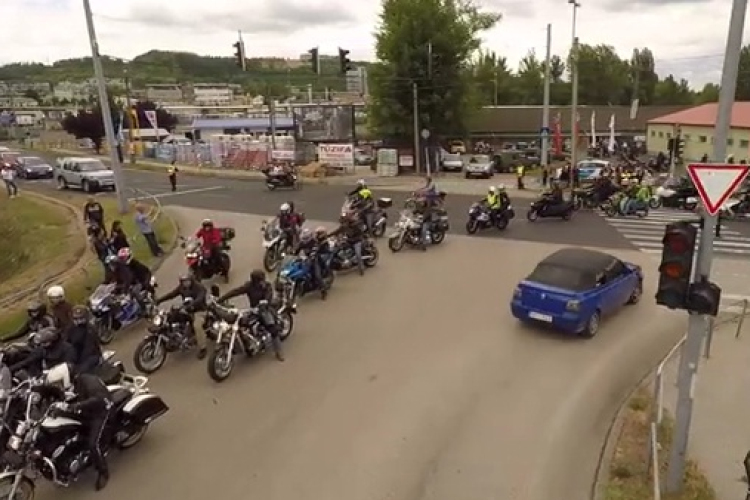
[(716, 182)]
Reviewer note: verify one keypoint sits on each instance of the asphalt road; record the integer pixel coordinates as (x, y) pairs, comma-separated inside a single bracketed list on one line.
[(410, 383), (323, 202)]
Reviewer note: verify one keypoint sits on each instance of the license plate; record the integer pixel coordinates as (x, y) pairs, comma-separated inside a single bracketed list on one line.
[(540, 317)]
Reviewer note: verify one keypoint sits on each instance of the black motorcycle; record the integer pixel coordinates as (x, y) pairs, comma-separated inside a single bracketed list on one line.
[(585, 198), (344, 258), (167, 333), (285, 179), (480, 218), (544, 209), (201, 265)]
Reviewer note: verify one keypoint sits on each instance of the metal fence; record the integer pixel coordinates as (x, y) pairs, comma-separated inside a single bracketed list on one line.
[(79, 271), (731, 312)]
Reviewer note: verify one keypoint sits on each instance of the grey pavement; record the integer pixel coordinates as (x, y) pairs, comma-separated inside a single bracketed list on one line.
[(382, 399), (718, 437)]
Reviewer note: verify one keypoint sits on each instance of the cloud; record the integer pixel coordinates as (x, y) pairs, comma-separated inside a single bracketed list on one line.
[(512, 9), (629, 5)]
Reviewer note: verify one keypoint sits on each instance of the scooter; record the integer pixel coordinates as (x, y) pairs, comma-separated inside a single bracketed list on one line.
[(544, 209)]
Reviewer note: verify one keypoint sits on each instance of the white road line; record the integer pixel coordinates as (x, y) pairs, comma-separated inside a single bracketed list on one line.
[(178, 193)]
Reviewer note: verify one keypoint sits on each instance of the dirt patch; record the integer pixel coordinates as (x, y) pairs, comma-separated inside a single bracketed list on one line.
[(630, 477)]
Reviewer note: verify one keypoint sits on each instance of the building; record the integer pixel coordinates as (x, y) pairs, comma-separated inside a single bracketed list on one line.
[(160, 93), (204, 128), (356, 81), (72, 91), (696, 126), (207, 94), (524, 123)]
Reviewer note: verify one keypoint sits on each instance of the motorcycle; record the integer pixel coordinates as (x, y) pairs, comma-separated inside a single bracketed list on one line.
[(409, 230), (379, 214), (112, 312), (544, 209), (343, 257), (241, 332), (54, 447), (275, 244), (295, 278), (275, 179), (479, 218), (167, 333), (613, 206), (683, 198), (199, 262), (584, 198)]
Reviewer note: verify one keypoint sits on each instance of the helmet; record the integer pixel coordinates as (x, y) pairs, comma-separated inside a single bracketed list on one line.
[(492, 190), (186, 281), (257, 275), (124, 255), (285, 208), (47, 337), (80, 315), (321, 232), (361, 183), (60, 375), (207, 224), (501, 188), (305, 235), (56, 294), (35, 309)]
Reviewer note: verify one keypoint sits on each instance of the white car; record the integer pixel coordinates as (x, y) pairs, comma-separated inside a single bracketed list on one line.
[(87, 174), (453, 162), (479, 166)]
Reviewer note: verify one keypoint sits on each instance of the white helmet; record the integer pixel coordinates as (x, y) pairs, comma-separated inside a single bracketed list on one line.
[(56, 293), (59, 375), (285, 207), (493, 190)]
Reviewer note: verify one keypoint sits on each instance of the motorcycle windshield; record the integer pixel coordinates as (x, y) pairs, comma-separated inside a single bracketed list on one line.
[(193, 247), (272, 230), (6, 381), (101, 293)]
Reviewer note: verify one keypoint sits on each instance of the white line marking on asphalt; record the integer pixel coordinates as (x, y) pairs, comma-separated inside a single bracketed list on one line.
[(178, 193)]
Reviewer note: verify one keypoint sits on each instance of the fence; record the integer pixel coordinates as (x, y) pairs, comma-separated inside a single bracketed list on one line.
[(79, 271), (734, 311)]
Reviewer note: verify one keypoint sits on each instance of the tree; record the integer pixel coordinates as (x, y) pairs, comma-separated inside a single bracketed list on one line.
[(427, 43), (86, 124), (495, 83), (644, 76), (603, 78), (670, 91), (743, 77), (530, 80), (709, 93), (164, 118)]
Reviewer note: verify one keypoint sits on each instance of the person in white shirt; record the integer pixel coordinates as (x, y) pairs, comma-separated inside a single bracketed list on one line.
[(9, 177)]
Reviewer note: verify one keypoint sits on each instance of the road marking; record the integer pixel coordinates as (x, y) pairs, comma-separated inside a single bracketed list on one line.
[(178, 193)]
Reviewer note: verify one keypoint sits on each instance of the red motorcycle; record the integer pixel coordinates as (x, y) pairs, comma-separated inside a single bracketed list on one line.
[(200, 262)]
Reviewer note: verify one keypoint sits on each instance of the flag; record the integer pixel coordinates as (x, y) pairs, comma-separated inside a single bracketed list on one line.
[(593, 129), (557, 137), (121, 128), (611, 134), (578, 137)]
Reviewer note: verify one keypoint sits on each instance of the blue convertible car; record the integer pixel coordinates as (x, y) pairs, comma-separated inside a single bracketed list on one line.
[(572, 289)]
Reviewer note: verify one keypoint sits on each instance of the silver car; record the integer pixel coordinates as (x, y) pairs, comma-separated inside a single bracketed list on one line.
[(479, 166), (88, 174), (453, 162)]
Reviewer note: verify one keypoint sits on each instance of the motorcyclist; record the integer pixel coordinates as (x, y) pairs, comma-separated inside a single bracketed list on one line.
[(257, 290), (492, 202), (48, 349), (554, 196), (310, 246), (91, 406), (36, 320), (84, 341), (366, 203), (61, 309), (211, 239), (351, 230), (289, 223), (118, 274), (141, 273), (638, 196), (193, 296)]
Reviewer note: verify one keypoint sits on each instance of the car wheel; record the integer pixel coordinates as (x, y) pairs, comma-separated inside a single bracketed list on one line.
[(592, 326), (62, 183), (636, 295), (467, 176)]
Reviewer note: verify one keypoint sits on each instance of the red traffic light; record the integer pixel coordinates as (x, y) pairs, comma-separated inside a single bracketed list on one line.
[(677, 242), (672, 270)]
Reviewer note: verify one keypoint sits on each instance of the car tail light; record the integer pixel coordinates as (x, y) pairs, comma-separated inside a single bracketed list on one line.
[(573, 305)]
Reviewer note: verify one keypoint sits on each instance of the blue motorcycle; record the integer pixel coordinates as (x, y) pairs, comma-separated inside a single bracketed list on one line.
[(295, 278), (112, 312)]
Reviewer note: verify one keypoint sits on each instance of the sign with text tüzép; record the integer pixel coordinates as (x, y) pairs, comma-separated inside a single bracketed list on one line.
[(337, 155)]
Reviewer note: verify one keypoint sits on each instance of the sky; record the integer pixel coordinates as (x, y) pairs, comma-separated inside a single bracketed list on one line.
[(687, 37)]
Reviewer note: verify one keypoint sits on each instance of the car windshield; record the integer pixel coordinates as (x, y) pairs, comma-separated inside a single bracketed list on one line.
[(559, 276), (91, 166), (452, 157), (31, 161), (480, 159), (589, 165)]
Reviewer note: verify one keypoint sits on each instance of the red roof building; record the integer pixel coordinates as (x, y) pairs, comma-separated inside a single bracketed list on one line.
[(705, 116)]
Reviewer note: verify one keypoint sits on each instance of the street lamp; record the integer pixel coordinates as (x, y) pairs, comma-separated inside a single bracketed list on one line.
[(574, 85)]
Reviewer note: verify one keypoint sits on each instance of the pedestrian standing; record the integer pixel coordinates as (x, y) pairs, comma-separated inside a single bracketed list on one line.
[(9, 177), (172, 170), (93, 214), (147, 230), (545, 176), (99, 245), (117, 237)]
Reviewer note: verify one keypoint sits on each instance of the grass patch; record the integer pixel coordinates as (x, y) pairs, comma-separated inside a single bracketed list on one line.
[(79, 286), (36, 239), (629, 475)]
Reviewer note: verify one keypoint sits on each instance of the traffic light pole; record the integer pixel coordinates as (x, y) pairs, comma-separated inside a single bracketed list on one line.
[(691, 351)]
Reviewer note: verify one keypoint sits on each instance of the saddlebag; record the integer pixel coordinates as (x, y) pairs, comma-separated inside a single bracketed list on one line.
[(227, 233), (384, 203), (145, 408)]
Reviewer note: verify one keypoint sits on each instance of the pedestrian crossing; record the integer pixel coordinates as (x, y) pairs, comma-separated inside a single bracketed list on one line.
[(647, 233)]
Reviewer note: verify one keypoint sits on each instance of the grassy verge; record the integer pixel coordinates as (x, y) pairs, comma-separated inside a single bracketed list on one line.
[(629, 475), (27, 227), (79, 286)]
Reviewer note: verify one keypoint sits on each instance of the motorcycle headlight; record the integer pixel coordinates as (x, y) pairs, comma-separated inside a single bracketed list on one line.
[(284, 273), (158, 320)]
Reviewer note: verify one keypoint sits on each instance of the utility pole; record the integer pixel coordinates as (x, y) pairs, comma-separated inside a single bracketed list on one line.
[(545, 110), (131, 122), (415, 111), (109, 128), (574, 110), (272, 121), (691, 351)]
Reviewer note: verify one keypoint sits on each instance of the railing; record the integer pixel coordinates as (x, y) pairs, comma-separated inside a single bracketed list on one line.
[(734, 311)]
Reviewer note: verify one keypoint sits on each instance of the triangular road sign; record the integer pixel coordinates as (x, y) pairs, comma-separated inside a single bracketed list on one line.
[(716, 182)]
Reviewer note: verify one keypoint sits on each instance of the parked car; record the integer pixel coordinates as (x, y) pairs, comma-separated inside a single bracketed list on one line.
[(453, 162), (361, 157), (572, 289), (88, 174), (457, 147), (508, 160), (33, 167), (479, 166)]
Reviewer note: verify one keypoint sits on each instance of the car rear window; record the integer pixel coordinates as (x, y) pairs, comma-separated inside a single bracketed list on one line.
[(561, 277)]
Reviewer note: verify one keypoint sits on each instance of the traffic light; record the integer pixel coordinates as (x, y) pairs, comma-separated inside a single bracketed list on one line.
[(704, 297), (675, 270), (679, 147), (315, 60), (670, 146), (239, 54), (344, 62)]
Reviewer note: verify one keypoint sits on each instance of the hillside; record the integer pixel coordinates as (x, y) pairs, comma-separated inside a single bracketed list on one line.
[(165, 67)]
